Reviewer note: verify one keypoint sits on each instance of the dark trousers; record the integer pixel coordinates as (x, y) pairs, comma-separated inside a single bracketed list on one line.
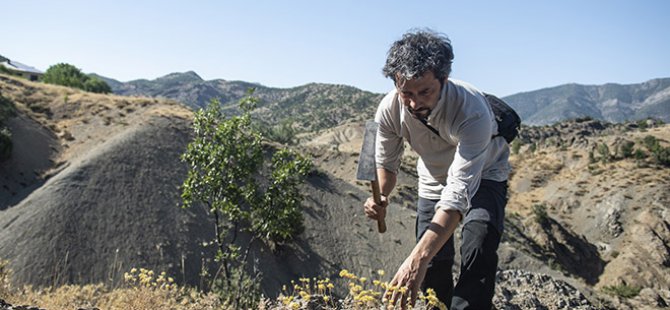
[(480, 237)]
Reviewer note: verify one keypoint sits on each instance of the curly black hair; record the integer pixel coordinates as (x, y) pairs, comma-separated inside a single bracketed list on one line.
[(418, 52)]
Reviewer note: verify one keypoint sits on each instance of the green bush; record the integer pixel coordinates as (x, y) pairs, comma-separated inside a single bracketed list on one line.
[(622, 290), (69, 75), (639, 154), (96, 85), (626, 149), (226, 160), (662, 156), (604, 152), (650, 142), (282, 133)]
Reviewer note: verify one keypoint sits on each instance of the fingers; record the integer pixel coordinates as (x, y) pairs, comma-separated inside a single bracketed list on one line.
[(414, 291), (373, 210), (398, 291)]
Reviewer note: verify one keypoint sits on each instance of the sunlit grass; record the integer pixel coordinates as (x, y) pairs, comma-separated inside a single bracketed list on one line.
[(144, 289)]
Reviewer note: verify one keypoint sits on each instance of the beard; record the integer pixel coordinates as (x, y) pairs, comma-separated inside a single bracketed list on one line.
[(421, 113)]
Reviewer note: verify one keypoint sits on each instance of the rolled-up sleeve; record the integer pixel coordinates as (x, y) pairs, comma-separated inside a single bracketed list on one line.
[(465, 172)]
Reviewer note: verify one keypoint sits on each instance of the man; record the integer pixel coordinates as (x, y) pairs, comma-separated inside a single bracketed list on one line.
[(462, 170)]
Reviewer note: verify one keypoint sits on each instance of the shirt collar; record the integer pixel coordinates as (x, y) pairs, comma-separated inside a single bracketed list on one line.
[(440, 102)]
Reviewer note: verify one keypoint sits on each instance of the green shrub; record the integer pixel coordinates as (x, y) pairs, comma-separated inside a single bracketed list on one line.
[(69, 75), (96, 85), (639, 154), (604, 152), (662, 156), (282, 133), (650, 142), (622, 290), (626, 149), (642, 124), (226, 160)]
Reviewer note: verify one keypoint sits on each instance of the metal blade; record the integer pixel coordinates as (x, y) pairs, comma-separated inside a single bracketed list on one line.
[(367, 169)]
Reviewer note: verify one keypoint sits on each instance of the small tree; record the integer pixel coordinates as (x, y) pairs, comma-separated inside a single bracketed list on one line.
[(65, 75), (69, 75), (226, 160), (651, 143), (626, 149), (96, 85)]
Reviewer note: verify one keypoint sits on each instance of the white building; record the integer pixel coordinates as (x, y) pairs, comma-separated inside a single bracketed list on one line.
[(25, 71)]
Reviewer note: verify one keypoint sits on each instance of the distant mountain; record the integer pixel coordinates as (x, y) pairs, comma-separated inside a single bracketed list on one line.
[(317, 106), (309, 107), (610, 102)]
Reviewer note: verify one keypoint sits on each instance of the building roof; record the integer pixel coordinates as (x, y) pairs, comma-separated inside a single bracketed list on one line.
[(17, 66)]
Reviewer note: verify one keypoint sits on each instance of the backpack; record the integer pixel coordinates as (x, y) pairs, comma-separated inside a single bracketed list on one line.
[(508, 120)]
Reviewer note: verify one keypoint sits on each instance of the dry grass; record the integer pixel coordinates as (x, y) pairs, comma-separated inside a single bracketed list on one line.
[(145, 290), (142, 291), (81, 119)]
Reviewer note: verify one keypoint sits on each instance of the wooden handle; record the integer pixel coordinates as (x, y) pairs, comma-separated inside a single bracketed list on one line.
[(381, 223)]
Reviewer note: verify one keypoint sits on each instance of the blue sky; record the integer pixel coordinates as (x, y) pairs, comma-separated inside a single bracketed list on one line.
[(503, 47)]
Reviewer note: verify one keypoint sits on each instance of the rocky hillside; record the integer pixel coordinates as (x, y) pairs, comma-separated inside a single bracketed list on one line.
[(610, 102), (594, 218), (591, 200)]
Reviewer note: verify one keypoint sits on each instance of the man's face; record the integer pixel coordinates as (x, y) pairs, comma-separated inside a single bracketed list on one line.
[(420, 95)]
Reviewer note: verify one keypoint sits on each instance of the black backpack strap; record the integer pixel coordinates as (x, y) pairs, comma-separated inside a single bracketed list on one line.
[(425, 122)]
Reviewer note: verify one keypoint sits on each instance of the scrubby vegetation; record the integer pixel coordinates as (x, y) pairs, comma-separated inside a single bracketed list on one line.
[(69, 75), (660, 154), (225, 159), (144, 289), (622, 290), (6, 111)]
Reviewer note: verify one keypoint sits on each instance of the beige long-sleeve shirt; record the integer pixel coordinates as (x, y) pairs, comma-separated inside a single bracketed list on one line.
[(451, 166)]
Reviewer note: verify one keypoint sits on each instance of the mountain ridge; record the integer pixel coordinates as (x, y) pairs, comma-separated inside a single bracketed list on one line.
[(611, 102)]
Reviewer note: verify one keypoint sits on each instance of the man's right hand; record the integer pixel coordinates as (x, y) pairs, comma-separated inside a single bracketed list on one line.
[(374, 211)]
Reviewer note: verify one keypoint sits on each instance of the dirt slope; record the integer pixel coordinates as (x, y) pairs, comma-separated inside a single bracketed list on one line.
[(105, 199)]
